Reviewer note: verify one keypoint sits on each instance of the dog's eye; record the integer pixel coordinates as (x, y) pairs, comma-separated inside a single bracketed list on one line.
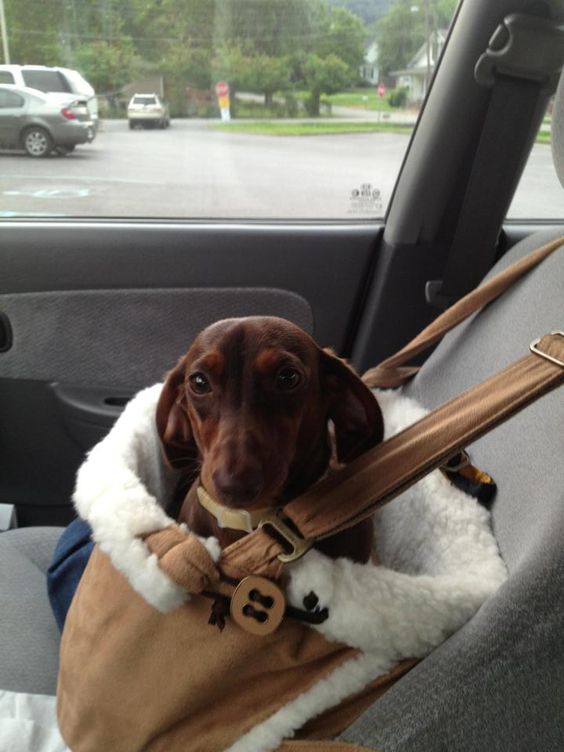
[(288, 379), (199, 383)]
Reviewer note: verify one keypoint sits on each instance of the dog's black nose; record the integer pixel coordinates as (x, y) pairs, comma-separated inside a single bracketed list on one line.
[(240, 486)]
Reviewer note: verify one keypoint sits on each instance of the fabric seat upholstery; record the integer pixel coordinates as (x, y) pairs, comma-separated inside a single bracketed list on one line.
[(29, 638), (498, 683)]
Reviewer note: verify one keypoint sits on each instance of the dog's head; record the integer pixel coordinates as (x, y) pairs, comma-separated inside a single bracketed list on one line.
[(250, 405)]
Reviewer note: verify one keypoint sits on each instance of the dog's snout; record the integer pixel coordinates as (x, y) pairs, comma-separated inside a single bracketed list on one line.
[(239, 485)]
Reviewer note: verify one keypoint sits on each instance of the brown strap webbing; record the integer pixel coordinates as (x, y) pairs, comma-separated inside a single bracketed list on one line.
[(379, 475), (393, 372)]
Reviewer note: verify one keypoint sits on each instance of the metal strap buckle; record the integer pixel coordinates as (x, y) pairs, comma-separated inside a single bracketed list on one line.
[(297, 546), (534, 349)]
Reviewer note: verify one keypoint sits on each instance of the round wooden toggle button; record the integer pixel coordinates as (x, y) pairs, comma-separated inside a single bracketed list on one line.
[(257, 605)]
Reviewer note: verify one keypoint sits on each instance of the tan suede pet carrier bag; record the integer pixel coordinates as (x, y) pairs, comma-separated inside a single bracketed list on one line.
[(173, 645)]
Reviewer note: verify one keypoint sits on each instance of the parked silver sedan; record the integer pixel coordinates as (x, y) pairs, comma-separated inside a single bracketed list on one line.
[(42, 123)]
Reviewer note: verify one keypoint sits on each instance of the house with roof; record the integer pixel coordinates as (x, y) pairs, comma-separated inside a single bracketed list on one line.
[(418, 73)]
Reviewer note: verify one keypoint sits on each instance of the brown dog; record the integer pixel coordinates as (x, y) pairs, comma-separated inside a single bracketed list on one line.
[(248, 408)]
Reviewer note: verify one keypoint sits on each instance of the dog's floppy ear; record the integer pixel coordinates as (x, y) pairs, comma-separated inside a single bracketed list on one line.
[(173, 423), (353, 408)]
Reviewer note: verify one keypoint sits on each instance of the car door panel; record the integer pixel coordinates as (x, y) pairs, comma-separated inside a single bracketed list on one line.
[(10, 125), (111, 307), (127, 338), (328, 265)]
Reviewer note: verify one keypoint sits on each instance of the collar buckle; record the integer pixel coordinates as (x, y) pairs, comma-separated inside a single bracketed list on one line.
[(232, 519)]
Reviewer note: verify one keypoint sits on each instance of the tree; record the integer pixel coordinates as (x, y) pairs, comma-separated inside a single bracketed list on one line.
[(37, 42), (402, 31), (368, 10), (324, 76), (266, 75), (106, 66), (262, 45), (344, 36), (271, 27), (70, 33)]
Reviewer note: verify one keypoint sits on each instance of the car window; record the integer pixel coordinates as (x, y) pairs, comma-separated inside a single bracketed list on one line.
[(6, 77), (539, 193), (45, 80), (144, 100), (9, 99), (77, 82), (303, 110)]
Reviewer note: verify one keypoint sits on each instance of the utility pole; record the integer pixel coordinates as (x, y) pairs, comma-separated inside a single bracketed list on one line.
[(5, 47)]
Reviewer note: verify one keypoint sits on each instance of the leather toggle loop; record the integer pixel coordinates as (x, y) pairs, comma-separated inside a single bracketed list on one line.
[(184, 558), (258, 605)]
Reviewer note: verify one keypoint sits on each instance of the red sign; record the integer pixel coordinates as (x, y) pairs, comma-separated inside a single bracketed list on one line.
[(222, 89), (381, 90)]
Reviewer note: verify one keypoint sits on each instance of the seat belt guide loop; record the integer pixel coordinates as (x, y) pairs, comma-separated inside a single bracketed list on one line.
[(523, 46)]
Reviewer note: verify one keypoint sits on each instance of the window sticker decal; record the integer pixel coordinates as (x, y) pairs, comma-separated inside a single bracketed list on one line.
[(366, 200)]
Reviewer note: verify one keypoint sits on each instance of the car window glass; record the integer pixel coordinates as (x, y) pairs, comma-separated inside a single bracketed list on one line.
[(144, 100), (539, 193), (9, 99), (77, 82), (45, 80), (6, 77), (292, 110)]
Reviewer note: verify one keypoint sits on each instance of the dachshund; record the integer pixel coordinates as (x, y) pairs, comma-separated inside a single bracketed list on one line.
[(257, 410)]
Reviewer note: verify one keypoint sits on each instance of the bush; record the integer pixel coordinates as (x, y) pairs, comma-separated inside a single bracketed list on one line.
[(284, 105), (397, 97)]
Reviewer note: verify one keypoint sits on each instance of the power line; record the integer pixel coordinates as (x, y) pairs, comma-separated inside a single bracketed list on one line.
[(313, 36)]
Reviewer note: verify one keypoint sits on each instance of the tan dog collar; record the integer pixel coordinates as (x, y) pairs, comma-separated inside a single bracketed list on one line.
[(235, 519)]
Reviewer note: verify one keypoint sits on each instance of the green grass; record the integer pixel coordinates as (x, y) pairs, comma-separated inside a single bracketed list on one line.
[(288, 128), (363, 99)]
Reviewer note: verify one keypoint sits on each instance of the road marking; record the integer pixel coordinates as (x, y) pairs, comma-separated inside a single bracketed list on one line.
[(77, 179)]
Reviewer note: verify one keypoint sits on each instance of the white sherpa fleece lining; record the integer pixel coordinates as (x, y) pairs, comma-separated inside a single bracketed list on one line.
[(439, 560), (121, 489)]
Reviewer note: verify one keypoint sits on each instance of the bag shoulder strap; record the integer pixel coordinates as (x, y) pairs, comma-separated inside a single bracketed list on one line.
[(355, 492), (382, 473), (393, 372)]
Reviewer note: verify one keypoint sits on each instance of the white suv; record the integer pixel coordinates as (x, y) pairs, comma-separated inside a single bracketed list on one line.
[(55, 81), (147, 109)]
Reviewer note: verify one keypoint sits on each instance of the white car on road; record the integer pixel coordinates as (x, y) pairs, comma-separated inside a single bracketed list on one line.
[(147, 110)]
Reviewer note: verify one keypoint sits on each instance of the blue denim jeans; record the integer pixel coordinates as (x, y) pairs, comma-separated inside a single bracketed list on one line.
[(69, 562)]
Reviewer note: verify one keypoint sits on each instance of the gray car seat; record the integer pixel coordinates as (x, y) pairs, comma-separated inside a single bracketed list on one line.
[(498, 683)]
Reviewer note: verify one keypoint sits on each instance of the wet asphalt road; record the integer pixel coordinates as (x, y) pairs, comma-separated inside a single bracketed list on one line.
[(194, 170)]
